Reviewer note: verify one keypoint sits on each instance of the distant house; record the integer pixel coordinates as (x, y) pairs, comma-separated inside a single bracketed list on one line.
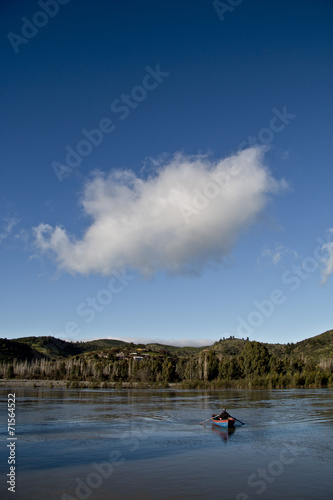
[(138, 358)]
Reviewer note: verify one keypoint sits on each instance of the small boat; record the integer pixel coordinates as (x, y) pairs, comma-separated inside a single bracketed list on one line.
[(224, 419), (223, 422)]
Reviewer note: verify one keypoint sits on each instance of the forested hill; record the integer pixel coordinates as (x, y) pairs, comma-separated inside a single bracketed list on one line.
[(229, 362), (53, 348), (315, 348), (12, 349), (29, 348)]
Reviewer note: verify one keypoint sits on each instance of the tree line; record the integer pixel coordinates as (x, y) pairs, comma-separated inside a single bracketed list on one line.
[(254, 367)]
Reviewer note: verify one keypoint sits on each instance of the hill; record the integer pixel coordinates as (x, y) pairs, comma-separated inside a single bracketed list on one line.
[(12, 349), (229, 362), (315, 348), (54, 348)]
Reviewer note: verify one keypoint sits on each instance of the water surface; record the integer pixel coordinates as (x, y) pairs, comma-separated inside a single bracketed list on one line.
[(147, 444)]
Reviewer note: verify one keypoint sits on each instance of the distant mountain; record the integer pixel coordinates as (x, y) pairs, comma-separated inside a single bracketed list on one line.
[(92, 345), (52, 348), (12, 349), (314, 348), (30, 348)]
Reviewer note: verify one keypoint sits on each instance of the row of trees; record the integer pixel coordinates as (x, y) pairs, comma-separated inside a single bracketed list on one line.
[(253, 367)]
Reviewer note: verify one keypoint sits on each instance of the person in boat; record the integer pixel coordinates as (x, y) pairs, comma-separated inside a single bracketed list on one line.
[(224, 415)]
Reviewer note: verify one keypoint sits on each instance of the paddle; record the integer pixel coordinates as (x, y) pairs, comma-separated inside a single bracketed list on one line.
[(237, 420), (217, 416), (207, 420)]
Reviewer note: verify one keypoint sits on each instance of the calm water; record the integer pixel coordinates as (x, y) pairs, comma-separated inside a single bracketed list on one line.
[(147, 444)]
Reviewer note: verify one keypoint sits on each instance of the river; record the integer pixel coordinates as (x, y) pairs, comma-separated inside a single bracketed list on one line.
[(147, 444)]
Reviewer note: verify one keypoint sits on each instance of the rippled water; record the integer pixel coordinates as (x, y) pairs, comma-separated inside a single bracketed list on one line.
[(147, 444)]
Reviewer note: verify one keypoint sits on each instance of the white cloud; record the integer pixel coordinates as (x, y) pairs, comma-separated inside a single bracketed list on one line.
[(7, 226), (274, 255), (188, 214), (327, 260)]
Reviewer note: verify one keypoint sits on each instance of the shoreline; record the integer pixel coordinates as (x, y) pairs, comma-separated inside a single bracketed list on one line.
[(76, 385), (32, 383), (70, 384)]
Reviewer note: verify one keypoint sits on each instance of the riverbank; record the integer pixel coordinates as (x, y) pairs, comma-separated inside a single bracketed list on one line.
[(187, 385), (32, 383), (79, 385)]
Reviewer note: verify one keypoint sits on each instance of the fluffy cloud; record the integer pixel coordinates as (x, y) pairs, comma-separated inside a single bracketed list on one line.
[(189, 213)]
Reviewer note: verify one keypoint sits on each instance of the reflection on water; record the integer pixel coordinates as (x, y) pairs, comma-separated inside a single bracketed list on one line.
[(224, 434), (125, 444)]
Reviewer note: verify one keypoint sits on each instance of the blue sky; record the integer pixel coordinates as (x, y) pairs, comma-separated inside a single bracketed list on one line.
[(166, 170)]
